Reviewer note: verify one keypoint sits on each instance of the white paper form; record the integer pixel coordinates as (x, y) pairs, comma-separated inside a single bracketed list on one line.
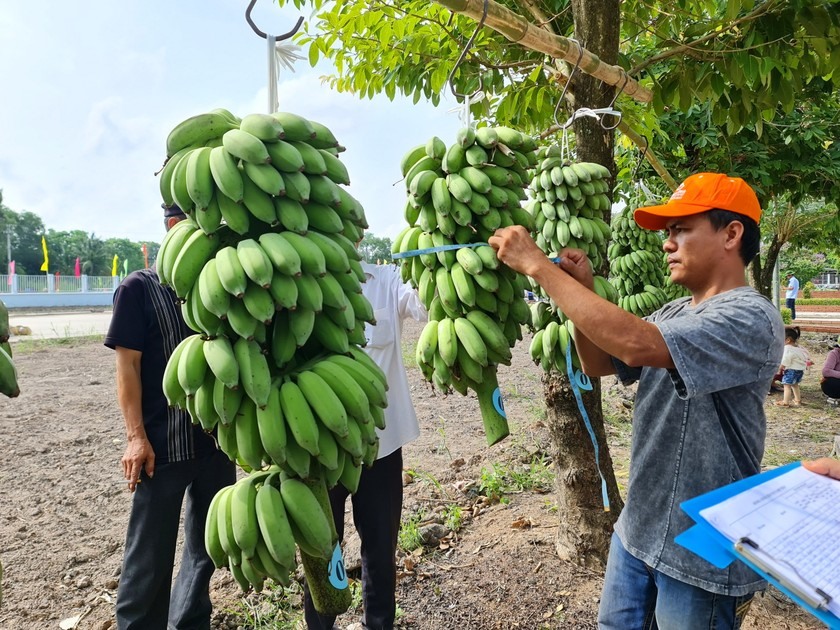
[(793, 523)]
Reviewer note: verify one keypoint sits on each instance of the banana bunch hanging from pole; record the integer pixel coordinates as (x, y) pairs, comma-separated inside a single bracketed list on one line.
[(458, 196), (637, 270), (267, 268), (8, 372), (567, 202)]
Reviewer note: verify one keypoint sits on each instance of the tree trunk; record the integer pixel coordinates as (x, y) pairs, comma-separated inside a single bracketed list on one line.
[(584, 535), (762, 268)]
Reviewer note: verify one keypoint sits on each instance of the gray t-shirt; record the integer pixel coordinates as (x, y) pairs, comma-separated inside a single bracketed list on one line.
[(698, 427)]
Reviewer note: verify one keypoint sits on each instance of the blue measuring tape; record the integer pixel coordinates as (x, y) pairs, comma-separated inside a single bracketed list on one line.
[(432, 250), (580, 381), (445, 248)]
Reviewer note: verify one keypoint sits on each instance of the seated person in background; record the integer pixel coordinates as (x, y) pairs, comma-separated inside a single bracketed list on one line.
[(830, 381)]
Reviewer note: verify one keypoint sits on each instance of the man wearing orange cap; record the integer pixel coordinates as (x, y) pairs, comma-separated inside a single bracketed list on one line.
[(703, 364)]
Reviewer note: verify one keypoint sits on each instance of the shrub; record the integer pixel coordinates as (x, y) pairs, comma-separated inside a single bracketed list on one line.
[(786, 315), (806, 290)]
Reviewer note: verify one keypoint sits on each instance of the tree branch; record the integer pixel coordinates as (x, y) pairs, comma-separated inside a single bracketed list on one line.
[(517, 29), (683, 48)]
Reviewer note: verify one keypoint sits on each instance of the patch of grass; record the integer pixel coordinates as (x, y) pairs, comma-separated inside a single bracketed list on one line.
[(429, 478), (26, 346), (774, 456), (441, 431), (453, 517), (501, 479), (409, 537), (276, 608)]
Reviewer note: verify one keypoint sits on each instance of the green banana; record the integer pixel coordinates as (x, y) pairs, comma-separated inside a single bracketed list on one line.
[(273, 523), (255, 263), (254, 374), (307, 514), (299, 418), (231, 273), (245, 146)]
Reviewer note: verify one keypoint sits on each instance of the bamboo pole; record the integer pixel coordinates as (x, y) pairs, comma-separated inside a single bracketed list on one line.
[(519, 30)]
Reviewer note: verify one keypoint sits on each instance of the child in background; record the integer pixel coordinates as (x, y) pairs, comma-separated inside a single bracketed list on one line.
[(794, 362)]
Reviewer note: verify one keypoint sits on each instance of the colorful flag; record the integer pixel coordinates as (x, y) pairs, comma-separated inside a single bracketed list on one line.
[(125, 267), (145, 255), (114, 266), (46, 264), (78, 270), (11, 271)]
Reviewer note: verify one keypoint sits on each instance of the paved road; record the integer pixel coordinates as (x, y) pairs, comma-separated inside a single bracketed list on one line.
[(57, 325)]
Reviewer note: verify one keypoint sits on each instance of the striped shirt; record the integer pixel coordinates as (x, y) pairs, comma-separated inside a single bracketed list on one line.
[(147, 318)]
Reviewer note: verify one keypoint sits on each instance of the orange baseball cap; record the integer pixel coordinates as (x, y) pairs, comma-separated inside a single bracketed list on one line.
[(700, 193)]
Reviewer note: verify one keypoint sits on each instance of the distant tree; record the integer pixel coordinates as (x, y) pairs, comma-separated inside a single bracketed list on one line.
[(375, 248), (801, 263)]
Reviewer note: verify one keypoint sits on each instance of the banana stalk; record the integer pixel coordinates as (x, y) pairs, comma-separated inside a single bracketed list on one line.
[(327, 579), (492, 408)]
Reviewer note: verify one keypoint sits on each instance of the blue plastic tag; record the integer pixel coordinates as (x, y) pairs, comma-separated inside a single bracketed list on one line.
[(336, 572), (499, 403)]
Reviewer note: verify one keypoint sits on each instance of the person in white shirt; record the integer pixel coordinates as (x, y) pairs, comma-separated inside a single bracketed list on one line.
[(377, 505), (794, 363), (791, 293)]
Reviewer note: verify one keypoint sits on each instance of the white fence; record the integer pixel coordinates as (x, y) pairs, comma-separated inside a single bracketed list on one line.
[(51, 283)]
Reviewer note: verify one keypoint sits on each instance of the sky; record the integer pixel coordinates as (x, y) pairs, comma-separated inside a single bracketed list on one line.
[(90, 94)]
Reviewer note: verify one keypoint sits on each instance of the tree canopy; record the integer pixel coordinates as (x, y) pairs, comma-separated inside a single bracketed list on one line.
[(748, 61), (96, 255)]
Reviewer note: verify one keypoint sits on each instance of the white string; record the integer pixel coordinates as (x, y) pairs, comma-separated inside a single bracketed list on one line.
[(279, 54), (273, 102)]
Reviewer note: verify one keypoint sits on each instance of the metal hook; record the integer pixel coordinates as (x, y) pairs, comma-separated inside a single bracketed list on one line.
[(278, 38), (641, 159), (621, 89), (610, 111), (463, 56), (568, 81)]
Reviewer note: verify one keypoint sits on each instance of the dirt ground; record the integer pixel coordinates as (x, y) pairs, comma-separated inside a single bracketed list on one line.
[(65, 505)]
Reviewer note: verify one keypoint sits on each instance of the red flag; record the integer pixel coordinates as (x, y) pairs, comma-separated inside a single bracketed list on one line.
[(145, 256), (78, 267), (11, 271)]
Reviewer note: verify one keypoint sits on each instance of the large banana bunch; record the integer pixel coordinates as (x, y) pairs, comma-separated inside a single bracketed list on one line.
[(636, 265), (567, 203), (270, 279), (460, 195), (8, 372)]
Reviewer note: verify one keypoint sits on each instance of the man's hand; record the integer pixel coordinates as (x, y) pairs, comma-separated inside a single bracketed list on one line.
[(515, 247), (575, 263), (138, 455), (824, 466)]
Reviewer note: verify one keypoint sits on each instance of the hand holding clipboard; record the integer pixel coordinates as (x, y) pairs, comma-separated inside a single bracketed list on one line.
[(784, 524)]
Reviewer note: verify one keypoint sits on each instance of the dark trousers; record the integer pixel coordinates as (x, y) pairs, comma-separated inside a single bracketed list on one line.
[(143, 597), (377, 506), (831, 387), (791, 304)]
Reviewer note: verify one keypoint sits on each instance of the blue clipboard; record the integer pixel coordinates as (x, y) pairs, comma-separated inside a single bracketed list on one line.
[(708, 543)]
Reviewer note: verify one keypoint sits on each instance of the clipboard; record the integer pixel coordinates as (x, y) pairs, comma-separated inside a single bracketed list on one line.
[(710, 544)]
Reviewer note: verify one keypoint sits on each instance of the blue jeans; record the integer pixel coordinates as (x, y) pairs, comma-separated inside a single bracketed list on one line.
[(637, 597)]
